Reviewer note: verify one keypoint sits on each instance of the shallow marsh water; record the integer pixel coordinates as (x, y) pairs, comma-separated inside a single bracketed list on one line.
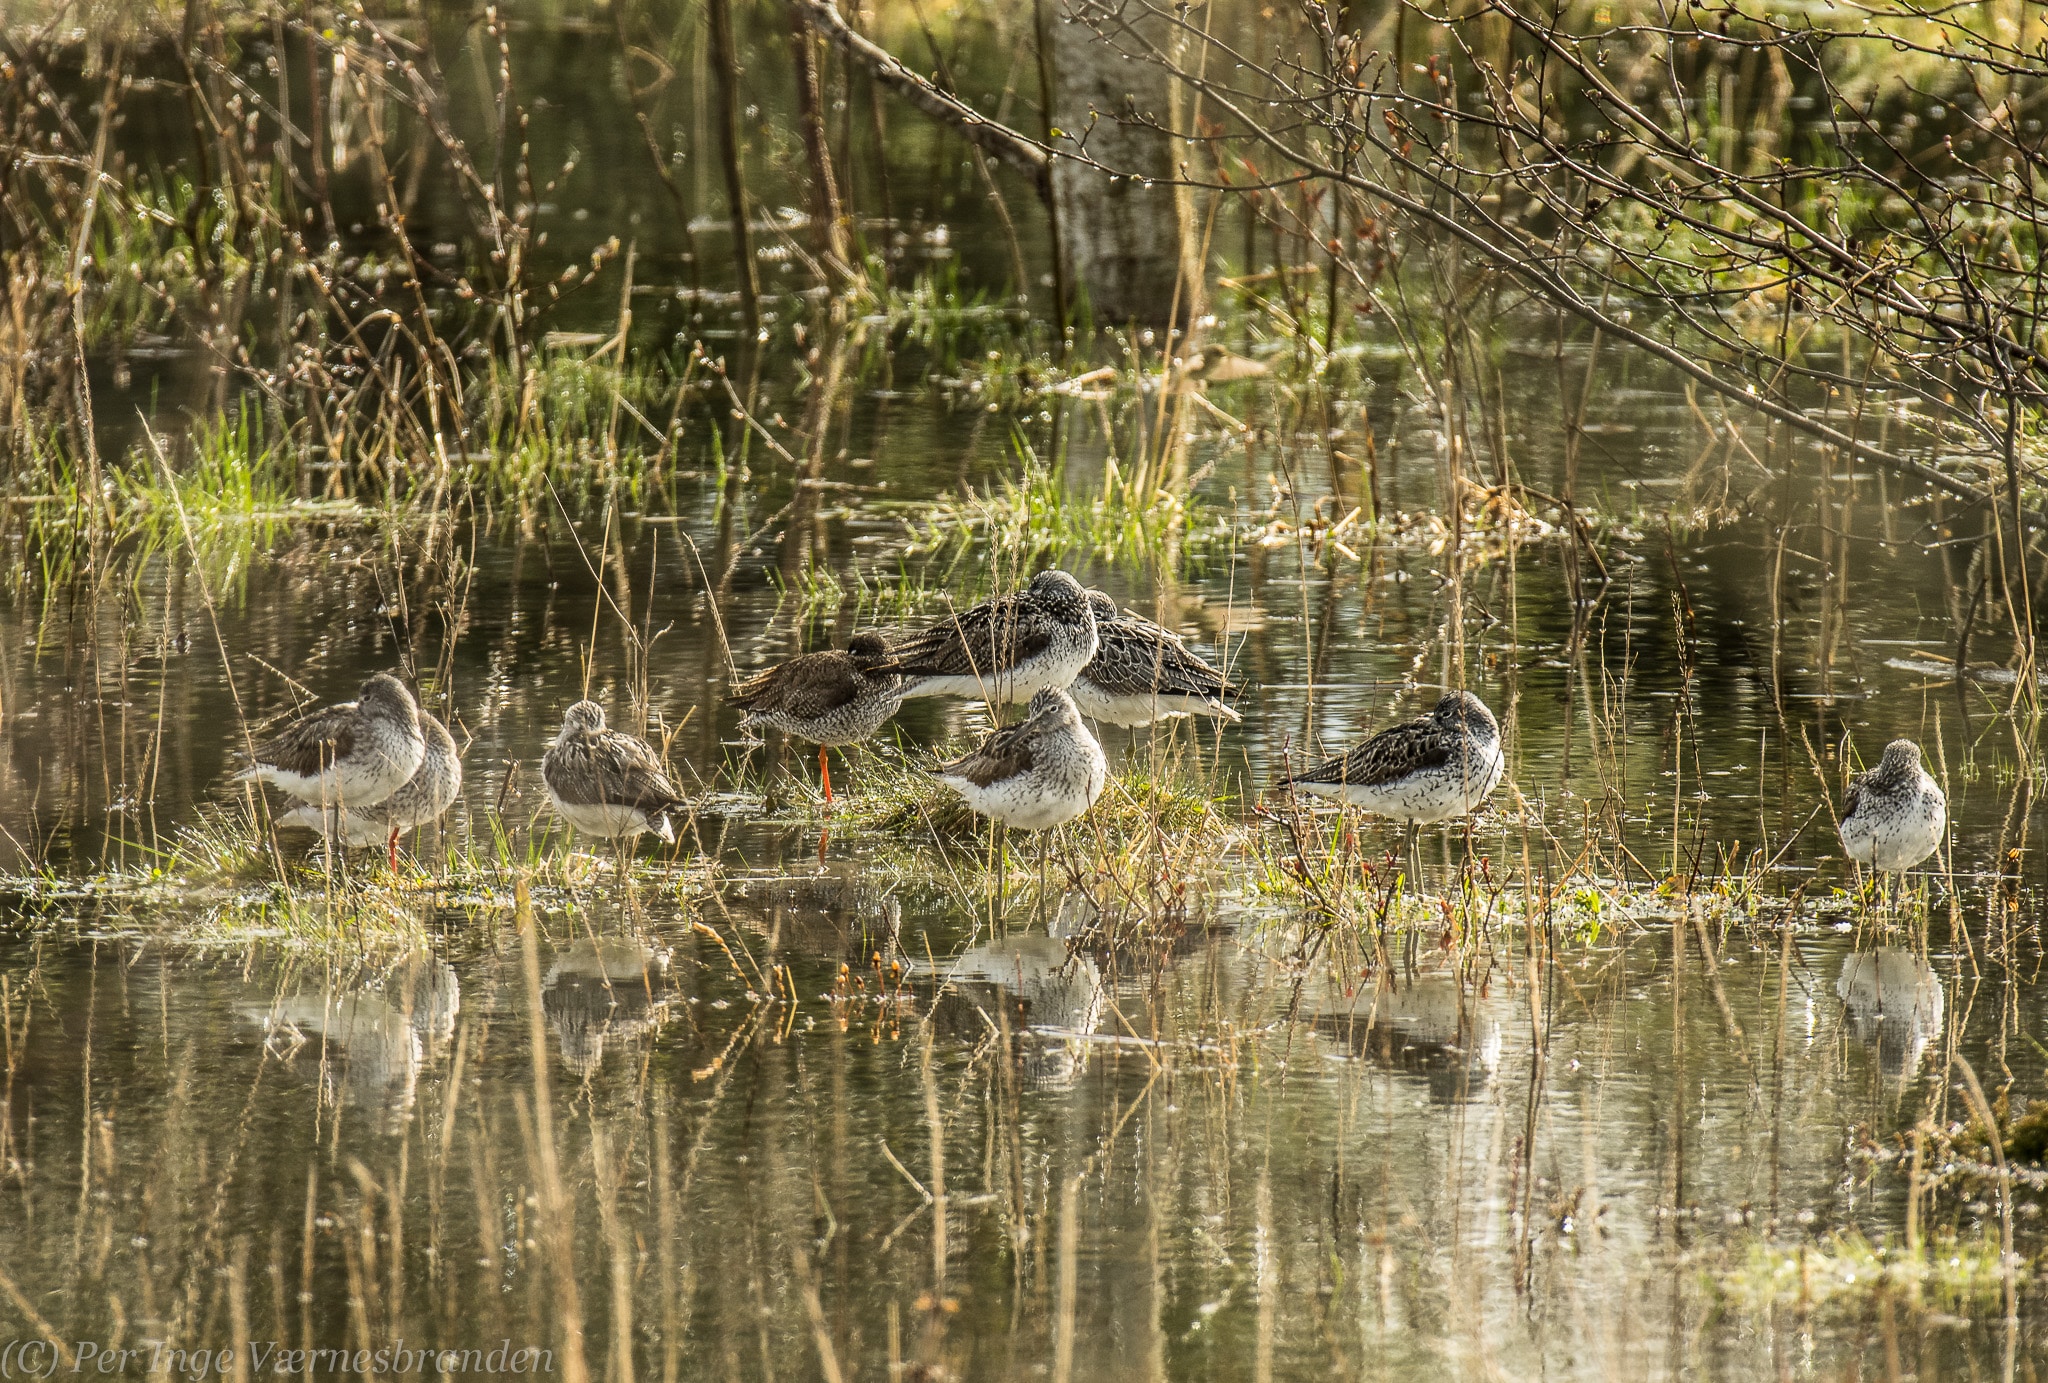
[(748, 1116), (1573, 1148)]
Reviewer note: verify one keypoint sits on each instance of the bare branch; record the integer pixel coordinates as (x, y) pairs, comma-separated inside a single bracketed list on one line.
[(998, 140)]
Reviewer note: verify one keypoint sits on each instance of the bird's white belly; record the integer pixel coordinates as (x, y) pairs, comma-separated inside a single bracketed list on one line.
[(1144, 708), (603, 820), (357, 782), (1424, 798), (1026, 804), (1125, 710), (1012, 686), (1041, 800)]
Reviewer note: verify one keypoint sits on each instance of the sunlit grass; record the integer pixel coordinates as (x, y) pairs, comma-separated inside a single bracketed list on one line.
[(228, 876), (231, 474), (568, 427), (1037, 516)]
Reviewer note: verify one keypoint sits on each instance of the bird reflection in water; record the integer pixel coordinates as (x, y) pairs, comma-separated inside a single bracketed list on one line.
[(604, 991), (1054, 1000), (843, 913), (374, 1040), (1428, 1025), (1895, 1004)]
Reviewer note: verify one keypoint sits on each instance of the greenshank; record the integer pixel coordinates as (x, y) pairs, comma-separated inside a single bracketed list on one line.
[(353, 754), (1142, 673), (1429, 769), (1005, 650), (1895, 814), (1037, 774), (426, 796), (605, 783)]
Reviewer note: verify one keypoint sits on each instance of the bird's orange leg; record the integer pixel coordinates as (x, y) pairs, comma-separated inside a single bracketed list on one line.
[(825, 772), (394, 849)]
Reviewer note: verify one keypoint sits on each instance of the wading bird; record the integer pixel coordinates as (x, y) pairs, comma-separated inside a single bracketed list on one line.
[(830, 698), (1429, 769), (1004, 650), (1142, 673), (352, 754), (605, 783), (1037, 774), (424, 798), (1895, 814)]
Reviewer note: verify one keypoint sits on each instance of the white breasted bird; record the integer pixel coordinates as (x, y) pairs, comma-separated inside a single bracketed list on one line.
[(1425, 770), (1895, 814), (1143, 673), (1005, 650), (423, 800), (352, 754), (1040, 773), (605, 783)]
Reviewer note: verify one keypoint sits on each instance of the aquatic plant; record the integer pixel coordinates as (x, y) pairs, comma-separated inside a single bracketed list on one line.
[(1958, 1271)]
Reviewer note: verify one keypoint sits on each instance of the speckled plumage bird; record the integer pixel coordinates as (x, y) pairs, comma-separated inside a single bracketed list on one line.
[(1040, 773), (1425, 770), (1143, 673), (1004, 650), (1895, 814), (424, 798), (352, 754), (605, 783), (830, 698)]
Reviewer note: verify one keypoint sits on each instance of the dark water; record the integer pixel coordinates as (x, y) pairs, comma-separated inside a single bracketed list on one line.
[(707, 1118)]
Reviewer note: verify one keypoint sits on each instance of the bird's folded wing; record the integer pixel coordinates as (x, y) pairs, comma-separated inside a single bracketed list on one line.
[(807, 692), (1387, 757), (1005, 754), (616, 771), (972, 644), (1855, 797), (313, 744)]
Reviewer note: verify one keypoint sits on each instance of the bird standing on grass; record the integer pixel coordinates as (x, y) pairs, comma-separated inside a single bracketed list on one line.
[(605, 783), (1895, 814), (1142, 673), (424, 798), (1429, 769), (1037, 774), (353, 754), (1005, 650), (829, 698)]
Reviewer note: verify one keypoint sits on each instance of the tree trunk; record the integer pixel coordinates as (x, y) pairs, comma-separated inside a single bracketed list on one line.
[(1125, 244), (1125, 241)]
